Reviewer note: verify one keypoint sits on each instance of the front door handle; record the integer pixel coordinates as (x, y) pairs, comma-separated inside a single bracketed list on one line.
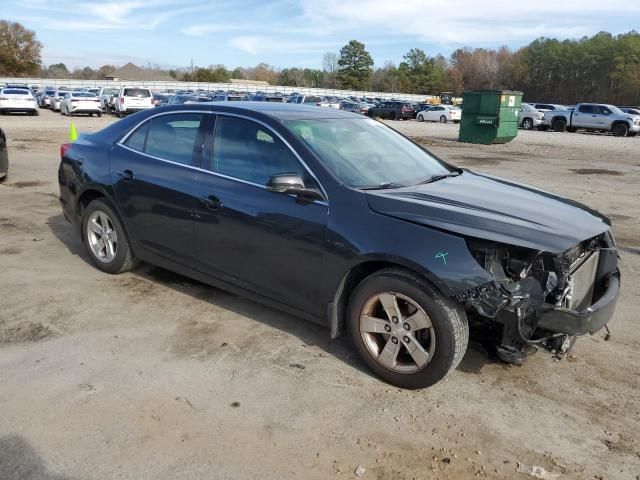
[(211, 202), (127, 175)]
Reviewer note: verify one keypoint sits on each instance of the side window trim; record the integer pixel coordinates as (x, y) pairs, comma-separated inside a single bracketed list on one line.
[(216, 114)]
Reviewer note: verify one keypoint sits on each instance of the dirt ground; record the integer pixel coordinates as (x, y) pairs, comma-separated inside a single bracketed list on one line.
[(149, 375)]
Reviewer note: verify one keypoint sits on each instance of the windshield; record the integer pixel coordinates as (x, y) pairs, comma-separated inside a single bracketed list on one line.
[(615, 110), (364, 153), (83, 94)]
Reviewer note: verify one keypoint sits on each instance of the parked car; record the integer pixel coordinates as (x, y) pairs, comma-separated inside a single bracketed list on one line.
[(350, 106), (390, 244), (631, 111), (227, 97), (74, 103), (529, 117), (263, 97), (549, 107), (440, 113), (395, 110), (4, 156), (44, 98), (105, 95), (56, 99), (306, 99), (160, 99), (132, 99), (593, 116), (19, 100)]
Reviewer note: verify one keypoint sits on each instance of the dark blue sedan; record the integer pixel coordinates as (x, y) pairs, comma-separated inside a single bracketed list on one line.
[(339, 219)]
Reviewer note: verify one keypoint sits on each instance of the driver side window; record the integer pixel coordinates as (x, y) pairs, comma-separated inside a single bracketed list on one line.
[(248, 151)]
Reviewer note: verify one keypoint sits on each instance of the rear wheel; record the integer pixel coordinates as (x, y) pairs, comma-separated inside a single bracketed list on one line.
[(406, 332), (443, 119), (394, 116), (620, 130), (632, 134), (527, 124), (105, 238), (420, 118), (99, 114)]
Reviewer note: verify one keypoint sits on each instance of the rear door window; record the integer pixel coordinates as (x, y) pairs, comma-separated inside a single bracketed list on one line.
[(586, 109), (175, 137)]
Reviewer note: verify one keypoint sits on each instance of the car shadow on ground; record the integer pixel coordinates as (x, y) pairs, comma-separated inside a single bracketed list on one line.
[(20, 461), (308, 333)]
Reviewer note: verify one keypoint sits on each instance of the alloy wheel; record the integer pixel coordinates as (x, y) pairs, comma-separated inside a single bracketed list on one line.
[(102, 236), (397, 332)]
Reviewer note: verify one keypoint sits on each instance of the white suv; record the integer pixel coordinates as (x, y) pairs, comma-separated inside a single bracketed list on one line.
[(133, 99)]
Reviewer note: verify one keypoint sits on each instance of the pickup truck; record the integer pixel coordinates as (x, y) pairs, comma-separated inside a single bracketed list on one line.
[(593, 116)]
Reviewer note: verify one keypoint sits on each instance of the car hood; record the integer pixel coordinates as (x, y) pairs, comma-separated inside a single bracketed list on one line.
[(491, 208)]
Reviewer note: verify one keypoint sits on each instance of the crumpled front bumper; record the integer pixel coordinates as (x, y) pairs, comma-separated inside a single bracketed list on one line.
[(587, 321)]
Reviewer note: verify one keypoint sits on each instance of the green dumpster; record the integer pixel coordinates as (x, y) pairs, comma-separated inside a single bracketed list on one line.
[(490, 116)]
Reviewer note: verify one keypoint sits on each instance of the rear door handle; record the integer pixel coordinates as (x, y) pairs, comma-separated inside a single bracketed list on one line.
[(127, 175), (211, 202)]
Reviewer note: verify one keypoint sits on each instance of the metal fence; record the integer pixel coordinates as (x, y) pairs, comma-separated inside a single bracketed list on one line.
[(161, 86)]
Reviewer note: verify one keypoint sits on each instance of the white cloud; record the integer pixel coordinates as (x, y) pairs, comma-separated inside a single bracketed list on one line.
[(465, 21), (260, 44)]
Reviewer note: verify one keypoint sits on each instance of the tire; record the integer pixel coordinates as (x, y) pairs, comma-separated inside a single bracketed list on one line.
[(572, 129), (632, 134), (443, 331), (393, 116), (559, 125), (620, 130), (420, 118), (99, 114), (527, 124), (443, 119), (543, 128), (120, 257), (118, 114), (35, 113)]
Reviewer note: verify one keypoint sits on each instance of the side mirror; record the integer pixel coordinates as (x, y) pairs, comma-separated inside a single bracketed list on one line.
[(292, 184)]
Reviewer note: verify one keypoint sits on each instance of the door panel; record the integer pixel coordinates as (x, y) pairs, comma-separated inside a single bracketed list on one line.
[(270, 243), (157, 196)]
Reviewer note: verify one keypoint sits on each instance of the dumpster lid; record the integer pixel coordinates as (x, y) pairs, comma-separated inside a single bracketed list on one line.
[(496, 92)]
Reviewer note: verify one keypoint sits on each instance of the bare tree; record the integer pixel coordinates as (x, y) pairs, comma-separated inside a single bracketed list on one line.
[(330, 68)]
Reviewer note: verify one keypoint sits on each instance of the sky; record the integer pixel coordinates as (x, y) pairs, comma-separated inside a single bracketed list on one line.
[(296, 33)]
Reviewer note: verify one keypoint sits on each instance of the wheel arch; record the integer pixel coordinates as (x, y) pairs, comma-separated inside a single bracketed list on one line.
[(88, 195), (337, 309)]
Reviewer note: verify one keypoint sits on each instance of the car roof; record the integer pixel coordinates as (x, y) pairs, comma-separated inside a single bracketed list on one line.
[(280, 111)]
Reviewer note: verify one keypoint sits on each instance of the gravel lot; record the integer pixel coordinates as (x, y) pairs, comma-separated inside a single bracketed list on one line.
[(149, 375)]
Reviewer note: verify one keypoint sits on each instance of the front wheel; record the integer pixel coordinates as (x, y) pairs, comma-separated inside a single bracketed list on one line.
[(443, 119), (527, 124), (420, 118), (105, 238), (620, 130), (407, 332)]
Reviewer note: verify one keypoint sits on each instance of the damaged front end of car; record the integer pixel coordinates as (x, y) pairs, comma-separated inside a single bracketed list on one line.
[(541, 299)]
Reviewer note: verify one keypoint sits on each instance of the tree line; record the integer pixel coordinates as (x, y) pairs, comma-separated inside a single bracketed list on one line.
[(602, 68)]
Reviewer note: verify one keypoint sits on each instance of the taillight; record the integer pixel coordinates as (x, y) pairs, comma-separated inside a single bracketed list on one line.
[(64, 148), (121, 99)]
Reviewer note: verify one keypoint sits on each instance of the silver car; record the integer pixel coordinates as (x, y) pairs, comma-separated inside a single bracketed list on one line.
[(56, 100), (529, 117)]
